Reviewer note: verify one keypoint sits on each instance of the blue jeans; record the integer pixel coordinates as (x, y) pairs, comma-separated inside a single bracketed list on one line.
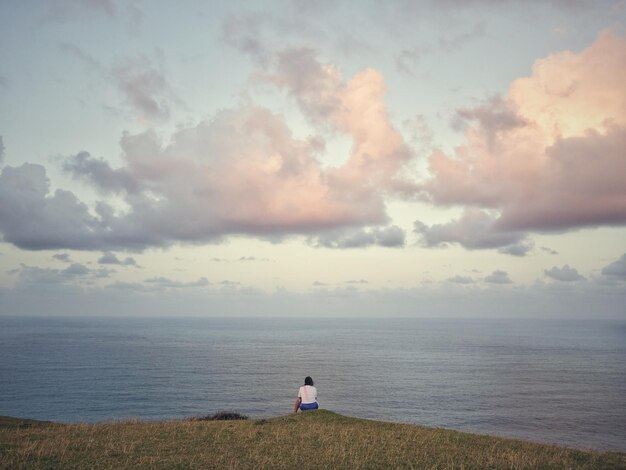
[(309, 406)]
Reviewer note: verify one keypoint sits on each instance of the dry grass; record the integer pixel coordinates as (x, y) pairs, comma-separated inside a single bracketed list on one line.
[(333, 441)]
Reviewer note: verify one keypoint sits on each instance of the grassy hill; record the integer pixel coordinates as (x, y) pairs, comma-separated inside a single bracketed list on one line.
[(333, 441)]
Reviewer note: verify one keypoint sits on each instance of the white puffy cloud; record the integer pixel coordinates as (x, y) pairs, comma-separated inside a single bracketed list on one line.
[(564, 274)]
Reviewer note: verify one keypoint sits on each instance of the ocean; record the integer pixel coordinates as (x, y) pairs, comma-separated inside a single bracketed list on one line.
[(551, 381)]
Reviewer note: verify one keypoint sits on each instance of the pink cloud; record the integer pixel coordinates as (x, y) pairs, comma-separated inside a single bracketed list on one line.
[(355, 108), (242, 172), (551, 154)]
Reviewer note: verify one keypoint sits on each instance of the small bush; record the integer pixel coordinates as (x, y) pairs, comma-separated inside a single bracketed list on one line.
[(220, 416)]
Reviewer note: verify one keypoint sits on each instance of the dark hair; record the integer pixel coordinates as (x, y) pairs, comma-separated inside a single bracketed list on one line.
[(308, 381)]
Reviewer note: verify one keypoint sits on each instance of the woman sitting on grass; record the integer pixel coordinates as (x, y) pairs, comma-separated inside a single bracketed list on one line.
[(307, 397)]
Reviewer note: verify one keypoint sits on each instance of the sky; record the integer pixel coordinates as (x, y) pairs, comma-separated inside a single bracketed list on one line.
[(332, 158)]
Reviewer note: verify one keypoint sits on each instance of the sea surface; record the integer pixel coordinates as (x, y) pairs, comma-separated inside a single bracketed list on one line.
[(560, 382)]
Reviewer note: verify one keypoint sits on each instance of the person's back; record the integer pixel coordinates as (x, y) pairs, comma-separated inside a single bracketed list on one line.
[(307, 397), (308, 393)]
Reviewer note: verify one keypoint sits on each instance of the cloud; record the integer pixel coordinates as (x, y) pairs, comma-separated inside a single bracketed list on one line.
[(354, 108), (140, 81), (64, 257), (130, 286), (32, 218), (143, 86), (616, 269), (392, 236), (549, 156), (564, 274), (494, 117), (111, 258), (1, 149), (163, 282), (519, 249), (408, 58), (240, 173), (460, 280), (245, 34), (99, 172), (33, 275), (475, 229), (498, 277), (456, 41), (64, 10)]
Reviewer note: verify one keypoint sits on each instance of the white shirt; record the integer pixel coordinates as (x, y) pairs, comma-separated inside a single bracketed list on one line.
[(308, 393)]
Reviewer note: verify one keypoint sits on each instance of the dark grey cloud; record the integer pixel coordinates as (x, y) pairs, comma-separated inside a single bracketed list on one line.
[(392, 236), (549, 250), (498, 277), (519, 249), (564, 274), (110, 258), (616, 269), (474, 230), (99, 172), (34, 275), (64, 257), (32, 219)]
